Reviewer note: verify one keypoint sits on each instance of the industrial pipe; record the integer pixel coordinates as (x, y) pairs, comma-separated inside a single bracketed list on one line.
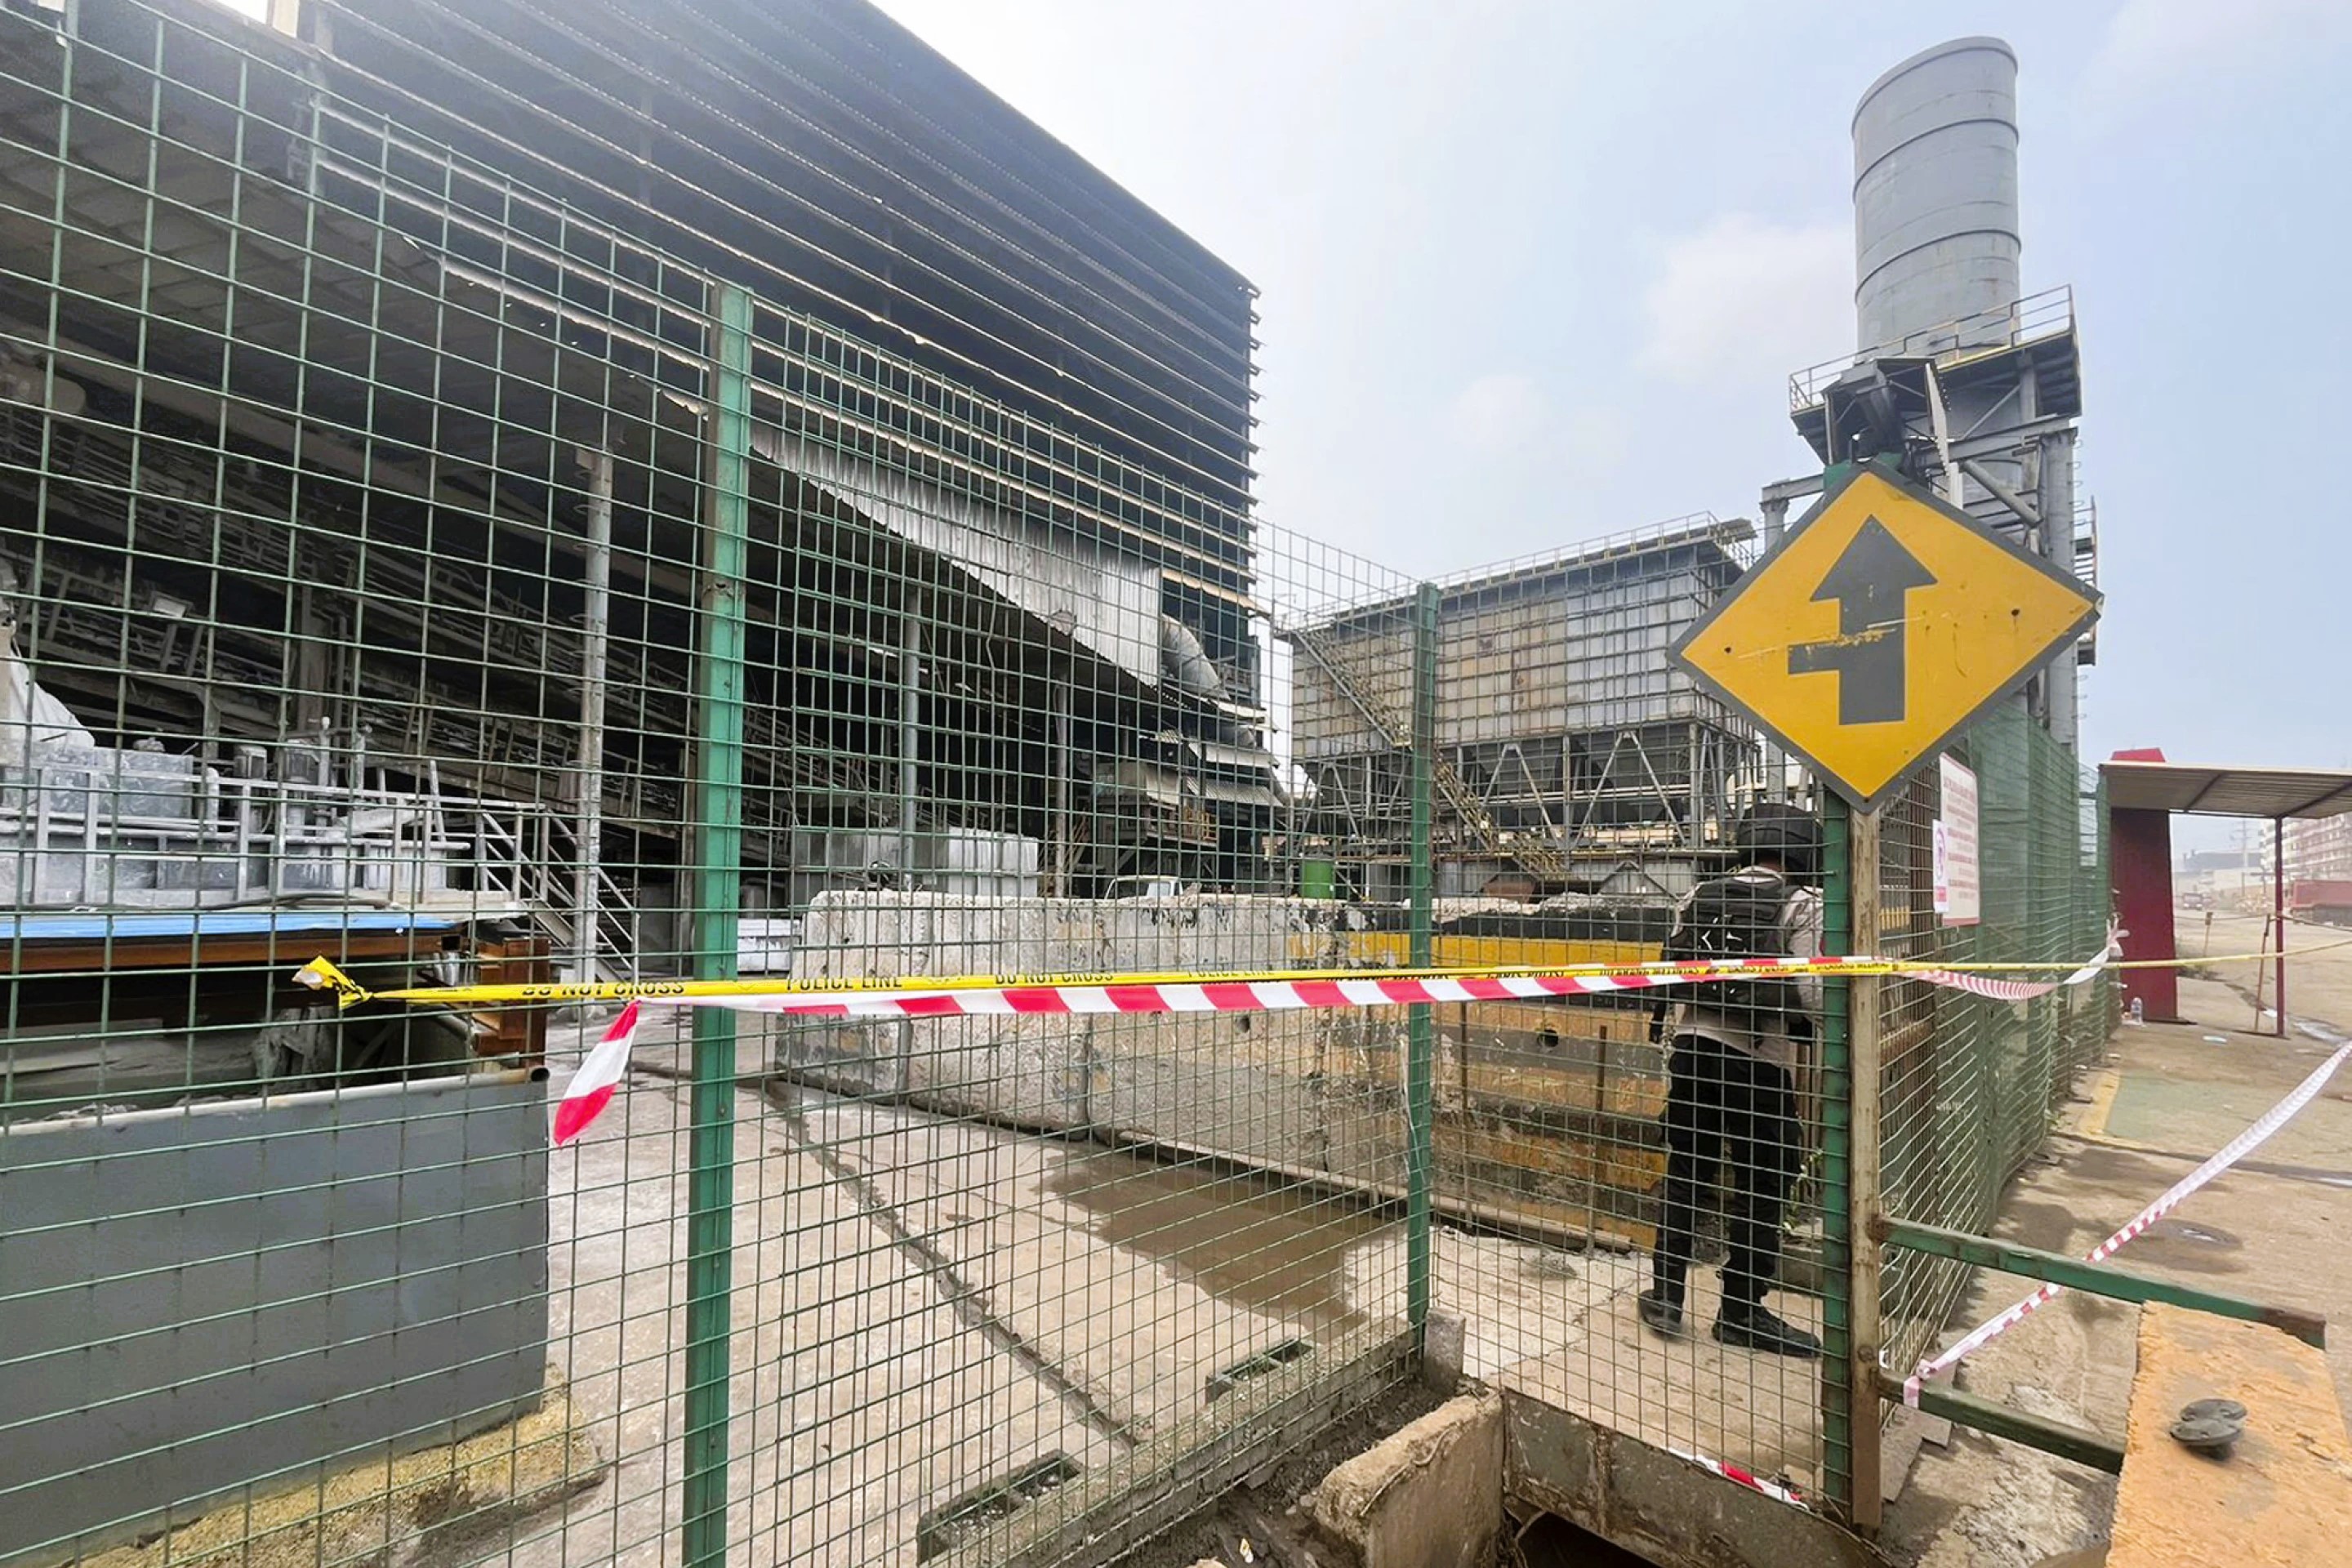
[(595, 640)]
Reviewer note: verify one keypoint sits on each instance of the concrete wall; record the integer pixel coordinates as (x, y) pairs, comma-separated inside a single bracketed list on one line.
[(195, 1299), (1544, 1111), (1314, 1090), (1429, 1495), (1654, 1503)]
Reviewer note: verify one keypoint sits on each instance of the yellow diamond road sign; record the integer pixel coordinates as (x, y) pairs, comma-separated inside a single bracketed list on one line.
[(1884, 623)]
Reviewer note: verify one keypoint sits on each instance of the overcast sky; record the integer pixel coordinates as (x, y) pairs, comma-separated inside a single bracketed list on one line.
[(1536, 271)]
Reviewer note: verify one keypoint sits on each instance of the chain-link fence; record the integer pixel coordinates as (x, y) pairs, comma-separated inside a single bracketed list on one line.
[(415, 567)]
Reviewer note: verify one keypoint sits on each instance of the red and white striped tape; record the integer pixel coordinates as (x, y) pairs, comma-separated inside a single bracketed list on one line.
[(1275, 995), (2237, 1148), (1070, 997), (1237, 995), (599, 1079), (2002, 990), (1752, 1482), (592, 1087)]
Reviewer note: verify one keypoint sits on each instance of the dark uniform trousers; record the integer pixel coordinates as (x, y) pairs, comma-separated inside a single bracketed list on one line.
[(1723, 1102)]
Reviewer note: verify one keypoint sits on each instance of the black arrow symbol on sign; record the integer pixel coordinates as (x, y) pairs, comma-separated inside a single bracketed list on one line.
[(1869, 584)]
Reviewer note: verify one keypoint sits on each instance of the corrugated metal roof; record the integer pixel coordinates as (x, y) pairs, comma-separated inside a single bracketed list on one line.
[(1222, 753), (2226, 791)]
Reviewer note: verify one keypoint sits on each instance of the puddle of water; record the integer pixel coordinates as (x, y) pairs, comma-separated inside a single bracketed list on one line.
[(2182, 1230), (1276, 1248)]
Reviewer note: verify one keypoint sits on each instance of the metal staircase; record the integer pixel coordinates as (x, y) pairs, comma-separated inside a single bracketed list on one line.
[(1537, 857), (547, 870)]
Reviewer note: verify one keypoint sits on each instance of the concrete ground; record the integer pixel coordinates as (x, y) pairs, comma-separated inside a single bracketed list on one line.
[(2319, 962), (922, 1307), (2275, 1228), (1562, 1327)]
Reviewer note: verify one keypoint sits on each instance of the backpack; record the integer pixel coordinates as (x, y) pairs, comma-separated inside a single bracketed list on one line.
[(1729, 919)]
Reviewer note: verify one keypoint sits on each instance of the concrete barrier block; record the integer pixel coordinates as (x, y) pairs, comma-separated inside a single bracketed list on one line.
[(1297, 1091), (1443, 1340), (1430, 1496)]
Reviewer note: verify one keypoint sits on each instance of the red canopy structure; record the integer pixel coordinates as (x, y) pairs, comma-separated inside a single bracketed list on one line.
[(2143, 791)]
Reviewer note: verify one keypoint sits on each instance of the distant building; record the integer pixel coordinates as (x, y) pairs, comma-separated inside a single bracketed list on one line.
[(2319, 851)]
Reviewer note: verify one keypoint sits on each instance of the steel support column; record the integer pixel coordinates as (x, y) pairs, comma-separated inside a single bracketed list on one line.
[(1421, 1026), (596, 643), (910, 698), (1850, 1329), (2278, 915), (718, 835)]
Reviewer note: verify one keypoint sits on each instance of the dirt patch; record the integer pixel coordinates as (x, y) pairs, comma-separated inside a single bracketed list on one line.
[(1266, 1515), (429, 1508), (2182, 1244)]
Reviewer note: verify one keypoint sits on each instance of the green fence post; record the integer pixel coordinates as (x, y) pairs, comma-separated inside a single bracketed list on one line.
[(1421, 1027), (1837, 1162), (718, 874)]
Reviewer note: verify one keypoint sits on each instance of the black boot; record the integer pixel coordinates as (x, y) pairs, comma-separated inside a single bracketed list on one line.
[(1746, 1326), (1662, 1313)]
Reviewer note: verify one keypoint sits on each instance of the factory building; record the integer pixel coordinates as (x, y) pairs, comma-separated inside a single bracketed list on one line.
[(354, 441), (1573, 755), (429, 436)]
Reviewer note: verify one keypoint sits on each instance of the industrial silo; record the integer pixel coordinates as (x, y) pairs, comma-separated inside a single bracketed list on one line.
[(1973, 385), (1934, 198)]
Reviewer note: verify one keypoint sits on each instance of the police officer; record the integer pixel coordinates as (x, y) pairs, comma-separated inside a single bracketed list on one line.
[(1731, 1064)]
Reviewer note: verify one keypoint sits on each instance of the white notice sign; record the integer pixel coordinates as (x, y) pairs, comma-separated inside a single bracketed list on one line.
[(1956, 848)]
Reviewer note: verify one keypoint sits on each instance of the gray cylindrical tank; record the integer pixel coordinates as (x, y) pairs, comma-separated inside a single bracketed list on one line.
[(1934, 194)]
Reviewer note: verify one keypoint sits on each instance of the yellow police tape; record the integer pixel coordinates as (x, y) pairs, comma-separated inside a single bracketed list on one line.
[(320, 974)]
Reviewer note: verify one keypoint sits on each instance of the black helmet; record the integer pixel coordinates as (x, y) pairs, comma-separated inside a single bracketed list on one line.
[(1771, 831)]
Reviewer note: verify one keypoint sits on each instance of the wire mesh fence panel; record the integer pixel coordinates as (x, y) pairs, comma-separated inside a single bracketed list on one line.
[(1936, 1078), (1596, 1157), (495, 539), (1133, 1240), (1972, 1084), (411, 568), (2090, 1010), (341, 628)]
